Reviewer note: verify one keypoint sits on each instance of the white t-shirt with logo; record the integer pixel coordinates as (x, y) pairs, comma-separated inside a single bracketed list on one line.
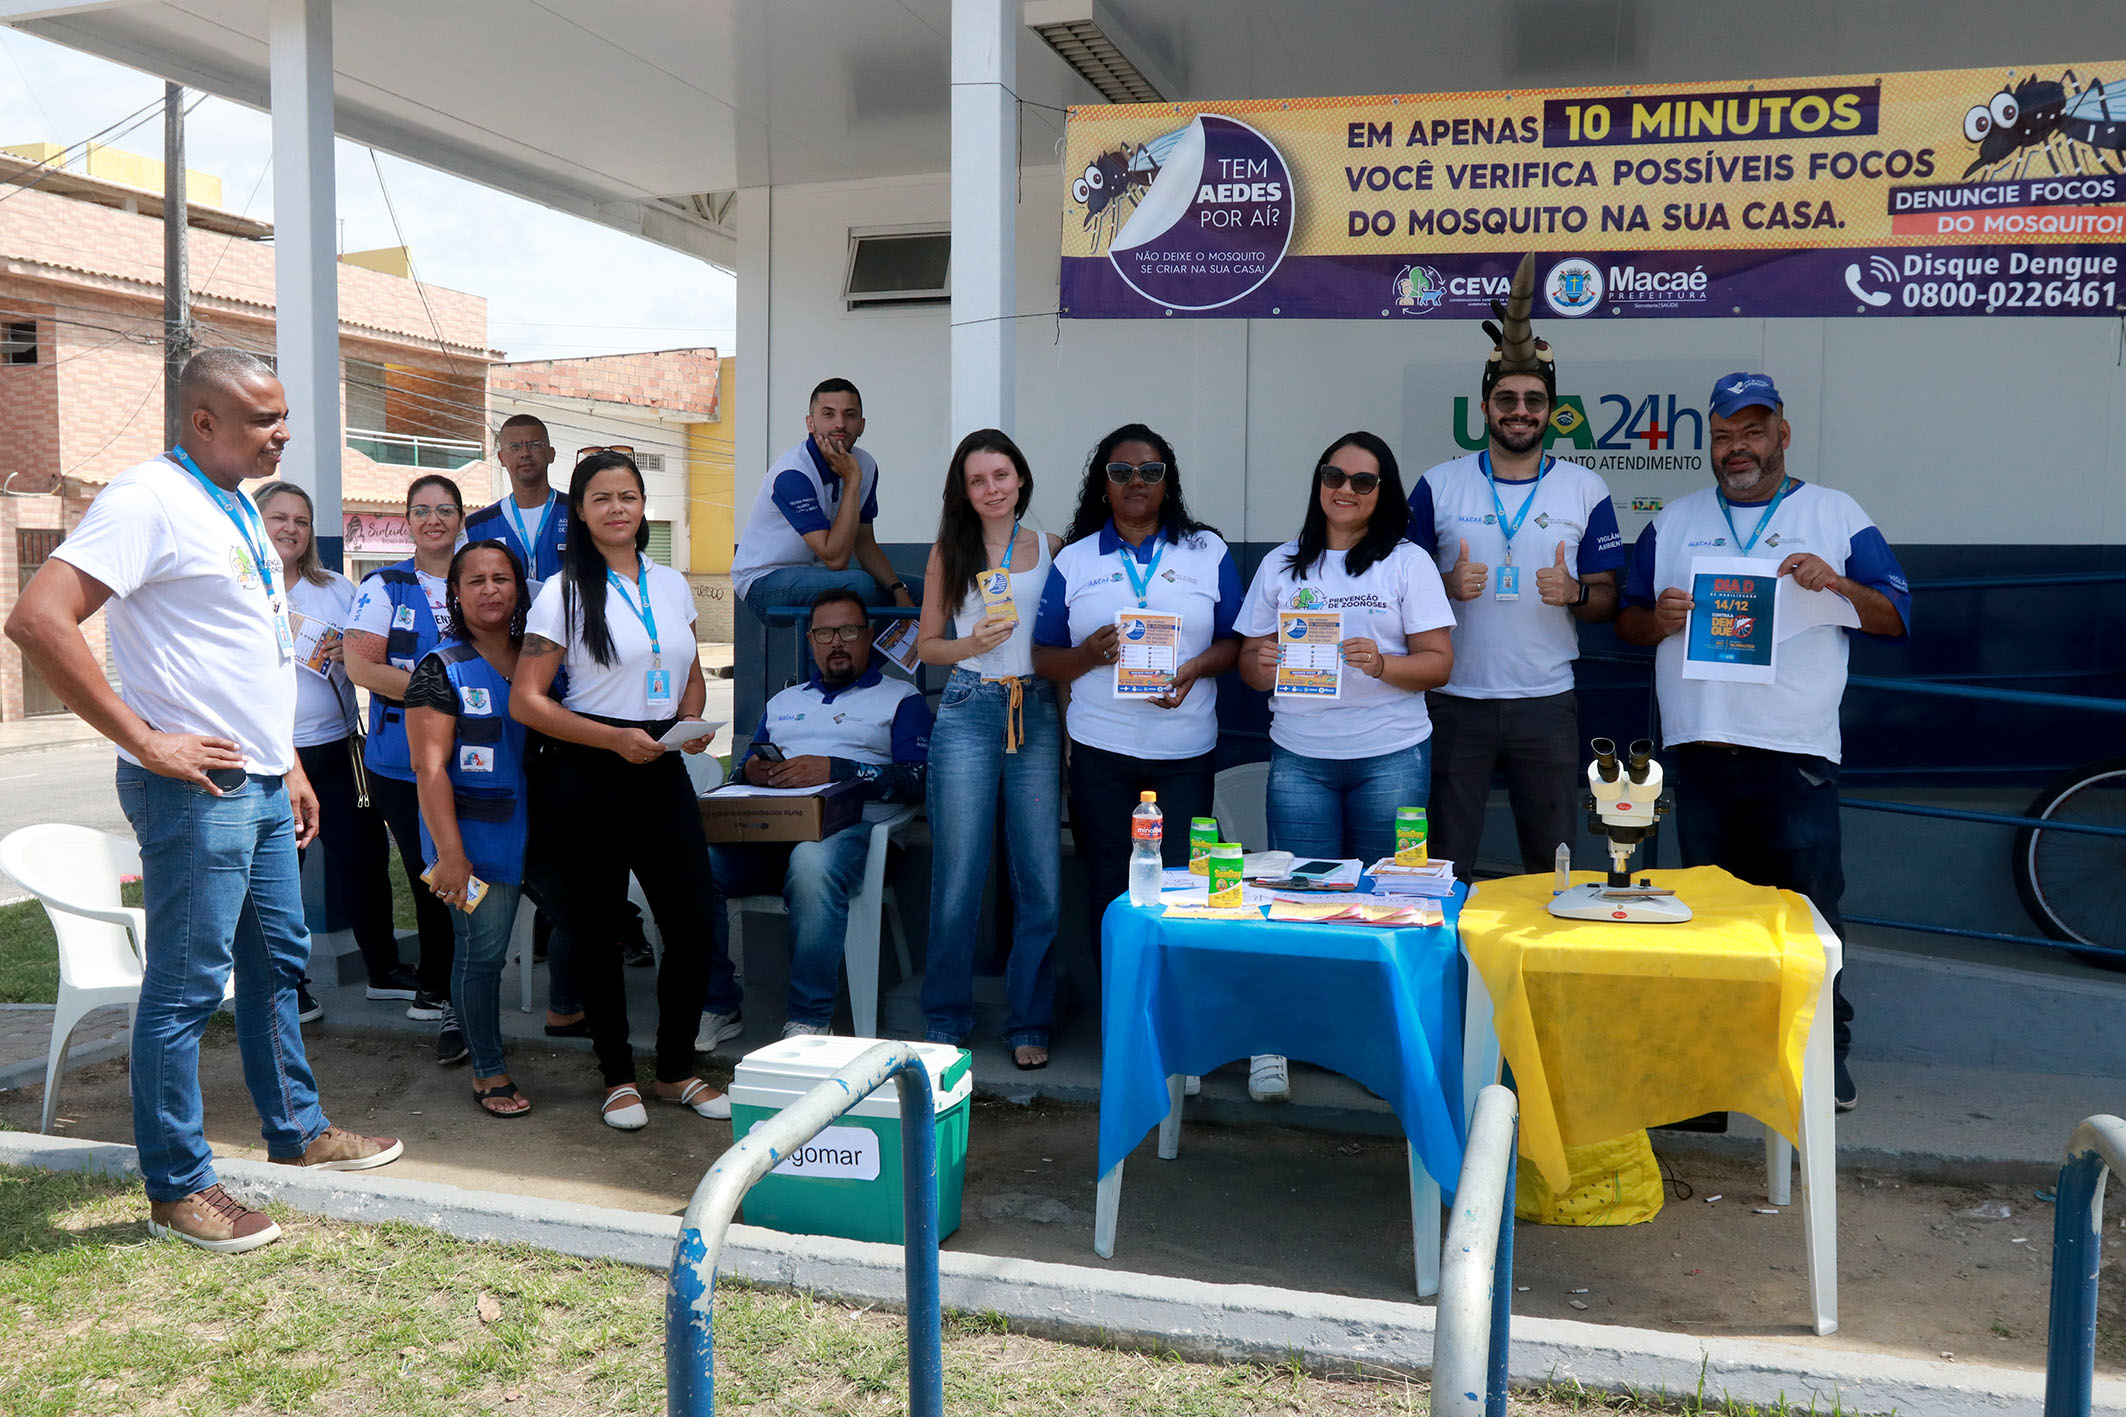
[(373, 608), (1397, 597), (324, 704), (1012, 658), (1515, 649), (621, 689), (192, 632), (1798, 711)]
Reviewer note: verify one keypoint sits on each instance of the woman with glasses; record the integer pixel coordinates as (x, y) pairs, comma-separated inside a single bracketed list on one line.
[(612, 799), (400, 613), (1161, 738), (357, 888), (468, 763), (996, 736)]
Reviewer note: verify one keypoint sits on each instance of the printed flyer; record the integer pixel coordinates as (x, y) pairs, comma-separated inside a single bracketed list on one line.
[(1733, 629), (1310, 658), (1149, 641)]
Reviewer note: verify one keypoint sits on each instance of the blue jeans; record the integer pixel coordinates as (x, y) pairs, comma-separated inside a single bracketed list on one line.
[(798, 585), (968, 770), (222, 892), (1344, 807), (482, 940), (815, 880)]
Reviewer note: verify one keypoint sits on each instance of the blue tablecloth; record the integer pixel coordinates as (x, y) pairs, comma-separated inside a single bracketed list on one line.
[(1381, 1006)]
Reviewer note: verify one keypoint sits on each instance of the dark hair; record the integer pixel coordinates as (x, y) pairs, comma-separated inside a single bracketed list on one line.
[(583, 568), (1093, 507), (450, 591), (1391, 514), (961, 556), (435, 479), (835, 595), (524, 420), (833, 386)]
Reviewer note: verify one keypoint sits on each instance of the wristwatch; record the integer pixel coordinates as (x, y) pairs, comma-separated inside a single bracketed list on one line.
[(897, 585), (1581, 599)]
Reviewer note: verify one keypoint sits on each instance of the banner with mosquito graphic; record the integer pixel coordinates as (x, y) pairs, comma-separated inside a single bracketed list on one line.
[(1969, 192)]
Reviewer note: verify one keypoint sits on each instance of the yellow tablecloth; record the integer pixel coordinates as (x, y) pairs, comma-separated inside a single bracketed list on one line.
[(1611, 1027)]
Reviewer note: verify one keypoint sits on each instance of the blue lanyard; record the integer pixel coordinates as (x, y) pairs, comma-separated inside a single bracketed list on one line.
[(242, 515), (528, 540), (1010, 546), (645, 614), (1141, 584), (1762, 522), (1483, 460)]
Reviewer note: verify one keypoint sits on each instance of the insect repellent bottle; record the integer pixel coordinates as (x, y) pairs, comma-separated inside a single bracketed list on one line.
[(1147, 831)]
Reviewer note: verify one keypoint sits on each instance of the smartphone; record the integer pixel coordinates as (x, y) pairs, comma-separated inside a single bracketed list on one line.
[(227, 779), (1315, 868), (767, 752)]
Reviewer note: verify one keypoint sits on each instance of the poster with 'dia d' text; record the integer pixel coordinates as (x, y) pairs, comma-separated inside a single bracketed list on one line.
[(1733, 630)]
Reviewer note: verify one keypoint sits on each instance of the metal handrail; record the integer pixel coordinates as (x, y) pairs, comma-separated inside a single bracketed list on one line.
[(2097, 1148), (1475, 1305), (689, 1349)]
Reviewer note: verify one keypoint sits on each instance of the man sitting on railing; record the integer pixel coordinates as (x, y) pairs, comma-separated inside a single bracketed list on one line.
[(1758, 761), (848, 721)]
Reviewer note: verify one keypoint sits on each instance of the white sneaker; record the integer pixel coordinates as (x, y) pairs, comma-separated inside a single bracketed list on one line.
[(1191, 1086), (805, 1030), (716, 1028), (1268, 1080)]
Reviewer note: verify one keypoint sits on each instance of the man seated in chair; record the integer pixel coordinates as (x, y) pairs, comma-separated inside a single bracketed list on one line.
[(848, 721)]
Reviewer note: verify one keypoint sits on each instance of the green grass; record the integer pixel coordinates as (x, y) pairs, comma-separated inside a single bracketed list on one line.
[(29, 956)]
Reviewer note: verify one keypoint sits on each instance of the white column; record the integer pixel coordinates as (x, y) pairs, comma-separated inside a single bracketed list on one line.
[(306, 287), (985, 159)]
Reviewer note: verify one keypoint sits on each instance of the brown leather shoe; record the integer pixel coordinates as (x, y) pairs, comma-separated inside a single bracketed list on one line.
[(337, 1149), (213, 1220)]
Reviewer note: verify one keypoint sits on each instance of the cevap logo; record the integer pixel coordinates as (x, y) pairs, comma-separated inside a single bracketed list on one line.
[(1214, 221), (1134, 630), (1574, 288), (1296, 629), (1419, 289)]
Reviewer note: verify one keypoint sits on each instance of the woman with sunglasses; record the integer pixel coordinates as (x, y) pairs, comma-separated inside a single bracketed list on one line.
[(613, 800), (996, 735), (468, 764), (357, 886), (400, 613), (1131, 519)]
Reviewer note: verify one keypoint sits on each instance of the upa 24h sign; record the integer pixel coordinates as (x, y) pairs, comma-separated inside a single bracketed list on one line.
[(1966, 192)]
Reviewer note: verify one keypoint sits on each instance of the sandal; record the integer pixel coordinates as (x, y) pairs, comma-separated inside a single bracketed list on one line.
[(501, 1092), (717, 1107), (631, 1118), (577, 1027)]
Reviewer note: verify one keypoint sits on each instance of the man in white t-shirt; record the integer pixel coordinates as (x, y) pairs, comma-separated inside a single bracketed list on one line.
[(1756, 764), (1528, 548), (208, 777)]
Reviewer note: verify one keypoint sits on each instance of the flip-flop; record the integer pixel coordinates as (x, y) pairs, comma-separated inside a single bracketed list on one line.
[(631, 1118), (716, 1108), (580, 1028), (1028, 1067), (503, 1092)]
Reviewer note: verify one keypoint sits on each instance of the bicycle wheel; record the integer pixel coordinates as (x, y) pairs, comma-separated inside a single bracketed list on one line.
[(2074, 883)]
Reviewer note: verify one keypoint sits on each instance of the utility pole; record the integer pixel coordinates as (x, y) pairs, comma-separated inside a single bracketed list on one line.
[(176, 264)]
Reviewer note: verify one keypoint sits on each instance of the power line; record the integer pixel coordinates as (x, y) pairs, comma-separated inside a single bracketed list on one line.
[(411, 274), (53, 166)]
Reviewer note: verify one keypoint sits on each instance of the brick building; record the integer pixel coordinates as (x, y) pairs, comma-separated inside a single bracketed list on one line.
[(81, 364)]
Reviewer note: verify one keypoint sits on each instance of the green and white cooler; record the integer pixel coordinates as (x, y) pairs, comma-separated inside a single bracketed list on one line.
[(847, 1180)]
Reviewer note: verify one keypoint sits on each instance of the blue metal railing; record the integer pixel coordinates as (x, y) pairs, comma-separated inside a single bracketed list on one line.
[(2097, 1148), (1475, 1305), (689, 1351)]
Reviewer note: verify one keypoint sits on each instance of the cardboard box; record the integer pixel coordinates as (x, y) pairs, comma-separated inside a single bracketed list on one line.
[(732, 817)]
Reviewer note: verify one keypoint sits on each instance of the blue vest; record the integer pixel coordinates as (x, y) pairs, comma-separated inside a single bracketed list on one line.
[(413, 634), (486, 769), (541, 562)]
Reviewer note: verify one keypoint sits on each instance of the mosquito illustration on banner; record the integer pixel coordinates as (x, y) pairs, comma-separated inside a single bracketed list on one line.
[(1116, 180), (2050, 117)]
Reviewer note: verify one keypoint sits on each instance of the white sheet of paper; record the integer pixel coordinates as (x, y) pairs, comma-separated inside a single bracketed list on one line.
[(1201, 895), (686, 731), (1806, 609), (747, 789)]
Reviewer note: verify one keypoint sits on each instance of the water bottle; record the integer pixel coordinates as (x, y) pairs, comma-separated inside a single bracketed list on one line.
[(1147, 829)]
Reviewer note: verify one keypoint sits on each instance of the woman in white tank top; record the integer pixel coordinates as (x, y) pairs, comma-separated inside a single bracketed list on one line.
[(997, 734)]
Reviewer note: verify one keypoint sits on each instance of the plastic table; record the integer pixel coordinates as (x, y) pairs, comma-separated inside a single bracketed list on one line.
[(1382, 1006)]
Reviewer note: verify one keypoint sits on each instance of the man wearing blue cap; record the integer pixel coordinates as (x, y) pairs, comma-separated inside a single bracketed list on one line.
[(1757, 763)]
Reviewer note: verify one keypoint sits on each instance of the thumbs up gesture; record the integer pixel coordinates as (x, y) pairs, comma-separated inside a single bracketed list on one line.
[(1556, 583), (1466, 580)]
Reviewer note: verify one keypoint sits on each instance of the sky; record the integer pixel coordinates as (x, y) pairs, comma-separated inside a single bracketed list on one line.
[(556, 285)]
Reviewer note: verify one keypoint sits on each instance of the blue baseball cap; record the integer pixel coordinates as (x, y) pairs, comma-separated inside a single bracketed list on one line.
[(1738, 391)]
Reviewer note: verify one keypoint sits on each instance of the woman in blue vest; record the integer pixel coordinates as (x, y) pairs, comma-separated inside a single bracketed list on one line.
[(468, 763), (400, 614)]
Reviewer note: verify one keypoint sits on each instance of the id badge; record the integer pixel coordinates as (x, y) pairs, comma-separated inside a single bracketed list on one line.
[(997, 599), (1509, 583), (283, 632), (657, 688)]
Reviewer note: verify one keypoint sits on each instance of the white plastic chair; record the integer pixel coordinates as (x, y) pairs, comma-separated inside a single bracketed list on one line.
[(860, 944), (75, 872), (1241, 803)]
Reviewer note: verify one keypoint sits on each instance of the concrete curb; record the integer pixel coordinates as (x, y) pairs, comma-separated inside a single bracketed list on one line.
[(1198, 1320)]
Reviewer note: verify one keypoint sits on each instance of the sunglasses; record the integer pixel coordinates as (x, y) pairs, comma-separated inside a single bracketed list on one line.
[(847, 634), (1151, 474), (1335, 477), (625, 449), (1506, 400)]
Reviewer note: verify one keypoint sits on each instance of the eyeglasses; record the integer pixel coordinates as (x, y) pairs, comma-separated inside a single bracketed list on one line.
[(1361, 482), (847, 634), (422, 514), (1506, 400), (1151, 474), (536, 445), (624, 448)]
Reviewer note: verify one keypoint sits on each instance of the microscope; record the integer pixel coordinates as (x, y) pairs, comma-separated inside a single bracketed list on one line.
[(1624, 802)]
